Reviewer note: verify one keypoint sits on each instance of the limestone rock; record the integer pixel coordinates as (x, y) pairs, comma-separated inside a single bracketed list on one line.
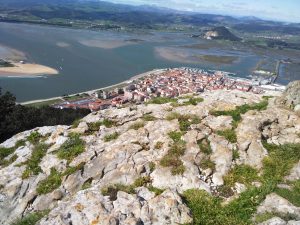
[(221, 156), (275, 203), (295, 173), (90, 207), (274, 221), (291, 97)]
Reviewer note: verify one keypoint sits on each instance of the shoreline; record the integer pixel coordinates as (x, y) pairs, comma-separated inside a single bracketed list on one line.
[(126, 82), (26, 70), (94, 90)]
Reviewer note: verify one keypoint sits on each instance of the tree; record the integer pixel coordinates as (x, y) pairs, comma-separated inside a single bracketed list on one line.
[(15, 118)]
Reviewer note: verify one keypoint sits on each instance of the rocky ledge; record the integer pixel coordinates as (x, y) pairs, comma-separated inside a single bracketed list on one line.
[(222, 157)]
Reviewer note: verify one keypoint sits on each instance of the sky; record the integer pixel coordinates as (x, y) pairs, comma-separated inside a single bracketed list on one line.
[(278, 10)]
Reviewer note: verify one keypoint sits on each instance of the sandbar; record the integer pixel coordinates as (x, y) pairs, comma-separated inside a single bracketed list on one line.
[(20, 69), (105, 44)]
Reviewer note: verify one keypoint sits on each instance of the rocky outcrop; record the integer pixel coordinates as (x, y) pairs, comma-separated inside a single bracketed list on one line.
[(291, 97), (132, 148), (90, 207), (278, 221), (274, 203)]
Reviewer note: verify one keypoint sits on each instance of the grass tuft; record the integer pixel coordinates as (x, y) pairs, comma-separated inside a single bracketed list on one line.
[(206, 163), (110, 137), (208, 210), (204, 146), (239, 110), (158, 145), (73, 147), (137, 125), (32, 164), (149, 117), (172, 158), (31, 218), (113, 190), (228, 134), (241, 174), (161, 100), (52, 182), (293, 196), (34, 137)]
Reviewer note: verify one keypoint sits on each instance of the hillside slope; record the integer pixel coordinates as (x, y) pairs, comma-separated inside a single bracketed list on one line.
[(225, 157), (220, 33)]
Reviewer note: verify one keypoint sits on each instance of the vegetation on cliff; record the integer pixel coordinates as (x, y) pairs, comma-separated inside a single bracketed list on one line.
[(15, 118)]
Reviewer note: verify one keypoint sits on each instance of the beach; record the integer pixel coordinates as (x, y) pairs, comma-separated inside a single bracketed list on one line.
[(28, 69)]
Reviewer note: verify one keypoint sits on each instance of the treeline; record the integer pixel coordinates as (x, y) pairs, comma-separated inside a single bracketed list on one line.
[(16, 118)]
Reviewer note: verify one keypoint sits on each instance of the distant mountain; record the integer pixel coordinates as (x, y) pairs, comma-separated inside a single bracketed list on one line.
[(220, 33), (143, 16)]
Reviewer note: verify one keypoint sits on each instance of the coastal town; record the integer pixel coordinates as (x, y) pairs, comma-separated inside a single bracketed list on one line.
[(169, 83)]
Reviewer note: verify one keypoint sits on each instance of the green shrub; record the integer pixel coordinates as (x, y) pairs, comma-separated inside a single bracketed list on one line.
[(73, 147), (94, 127), (228, 134), (193, 101), (161, 100), (87, 184), (142, 181), (172, 158), (242, 174), (137, 125), (155, 190), (207, 210), (293, 196), (71, 170), (280, 160), (246, 205), (235, 155), (52, 182), (31, 218), (206, 163), (108, 123), (32, 164), (34, 137), (225, 191), (239, 110), (4, 152), (175, 136), (158, 145), (152, 166), (111, 137), (185, 121), (178, 170), (204, 146), (173, 116), (76, 123), (112, 190), (149, 117), (20, 143), (5, 163)]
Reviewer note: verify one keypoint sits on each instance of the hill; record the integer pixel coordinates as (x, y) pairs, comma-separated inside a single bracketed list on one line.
[(85, 14), (220, 33), (221, 157)]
